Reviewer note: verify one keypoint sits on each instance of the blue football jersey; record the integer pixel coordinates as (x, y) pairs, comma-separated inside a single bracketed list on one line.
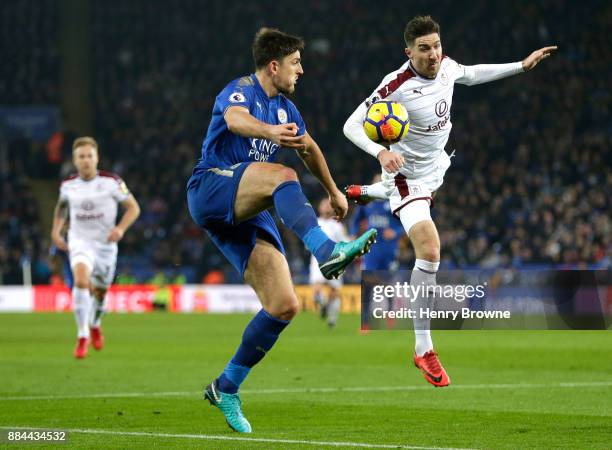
[(222, 148), (378, 215)]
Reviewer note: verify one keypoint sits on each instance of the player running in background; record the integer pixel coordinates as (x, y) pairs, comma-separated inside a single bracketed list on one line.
[(383, 255), (328, 299), (413, 169), (89, 198), (236, 181)]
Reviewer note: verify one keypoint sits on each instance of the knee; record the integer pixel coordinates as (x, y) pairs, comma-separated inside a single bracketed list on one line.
[(99, 293), (430, 251), (284, 174), (81, 283), (285, 310)]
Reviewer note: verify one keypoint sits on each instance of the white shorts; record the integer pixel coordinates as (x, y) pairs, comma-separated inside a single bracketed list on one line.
[(100, 258), (316, 277), (408, 185)]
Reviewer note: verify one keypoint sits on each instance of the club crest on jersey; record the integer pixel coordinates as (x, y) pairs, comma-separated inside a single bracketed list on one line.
[(87, 205), (237, 97), (282, 115)]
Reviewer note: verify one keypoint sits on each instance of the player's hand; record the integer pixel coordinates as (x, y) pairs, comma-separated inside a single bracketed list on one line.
[(60, 242), (339, 204), (391, 162), (532, 60), (115, 235), (285, 135)]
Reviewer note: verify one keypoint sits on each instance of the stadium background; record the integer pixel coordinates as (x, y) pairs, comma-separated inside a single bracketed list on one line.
[(530, 185)]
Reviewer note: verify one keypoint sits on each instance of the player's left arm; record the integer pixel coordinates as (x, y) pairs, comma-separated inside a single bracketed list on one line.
[(131, 213), (483, 73), (313, 159)]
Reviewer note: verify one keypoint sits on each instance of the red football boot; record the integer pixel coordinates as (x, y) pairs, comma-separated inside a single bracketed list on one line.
[(80, 351), (432, 370), (97, 340), (357, 193)]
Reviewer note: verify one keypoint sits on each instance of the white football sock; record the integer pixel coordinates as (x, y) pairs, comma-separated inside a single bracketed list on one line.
[(376, 190), (423, 274), (333, 308), (97, 311), (81, 299)]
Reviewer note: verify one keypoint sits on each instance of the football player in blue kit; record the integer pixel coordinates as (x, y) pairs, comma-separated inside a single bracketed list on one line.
[(383, 256), (234, 184), (378, 215)]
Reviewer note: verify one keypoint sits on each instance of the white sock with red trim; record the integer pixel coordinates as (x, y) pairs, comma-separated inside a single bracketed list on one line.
[(81, 299), (423, 274)]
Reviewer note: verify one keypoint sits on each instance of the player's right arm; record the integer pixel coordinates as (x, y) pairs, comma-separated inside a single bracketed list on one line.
[(240, 121), (353, 130), (60, 215)]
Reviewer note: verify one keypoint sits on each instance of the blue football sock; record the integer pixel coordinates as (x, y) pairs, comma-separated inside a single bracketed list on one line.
[(258, 338), (296, 213)]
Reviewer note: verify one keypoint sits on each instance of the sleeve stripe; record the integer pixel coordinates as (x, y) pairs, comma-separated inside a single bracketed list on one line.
[(393, 85)]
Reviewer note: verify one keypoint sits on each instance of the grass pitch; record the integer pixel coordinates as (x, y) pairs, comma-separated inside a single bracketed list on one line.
[(316, 389)]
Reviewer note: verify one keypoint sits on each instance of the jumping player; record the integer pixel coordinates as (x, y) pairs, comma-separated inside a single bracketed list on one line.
[(413, 169)]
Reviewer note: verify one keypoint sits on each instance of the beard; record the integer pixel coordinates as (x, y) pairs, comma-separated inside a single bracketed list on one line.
[(285, 89)]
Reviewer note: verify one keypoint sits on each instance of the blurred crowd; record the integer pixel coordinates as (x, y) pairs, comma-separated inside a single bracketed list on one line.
[(530, 183), (30, 69)]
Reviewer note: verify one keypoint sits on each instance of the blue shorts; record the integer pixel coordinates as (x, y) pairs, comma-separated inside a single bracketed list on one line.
[(211, 194)]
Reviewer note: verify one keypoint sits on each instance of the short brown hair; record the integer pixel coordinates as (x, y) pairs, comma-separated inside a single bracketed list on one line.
[(271, 44), (84, 140), (420, 26)]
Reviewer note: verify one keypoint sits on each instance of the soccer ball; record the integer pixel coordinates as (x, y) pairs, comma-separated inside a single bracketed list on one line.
[(386, 122)]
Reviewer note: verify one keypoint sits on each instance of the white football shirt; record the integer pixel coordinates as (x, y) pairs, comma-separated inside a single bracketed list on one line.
[(428, 102), (93, 205)]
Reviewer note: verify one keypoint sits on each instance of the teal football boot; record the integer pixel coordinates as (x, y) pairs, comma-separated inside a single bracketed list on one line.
[(345, 252), (230, 406)]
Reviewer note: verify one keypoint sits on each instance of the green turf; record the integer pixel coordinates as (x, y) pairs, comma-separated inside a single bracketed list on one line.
[(179, 354)]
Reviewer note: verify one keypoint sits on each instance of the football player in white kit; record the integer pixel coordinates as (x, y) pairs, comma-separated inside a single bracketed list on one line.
[(413, 169), (328, 302), (89, 200)]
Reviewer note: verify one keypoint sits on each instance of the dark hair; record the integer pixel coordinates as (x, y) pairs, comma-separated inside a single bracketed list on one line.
[(420, 26), (271, 44)]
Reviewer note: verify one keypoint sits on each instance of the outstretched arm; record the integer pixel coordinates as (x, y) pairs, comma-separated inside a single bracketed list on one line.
[(353, 130), (313, 159), (483, 73)]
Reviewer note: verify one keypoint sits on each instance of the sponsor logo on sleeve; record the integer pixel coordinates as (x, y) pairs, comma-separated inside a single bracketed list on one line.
[(237, 97), (124, 188), (371, 100)]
